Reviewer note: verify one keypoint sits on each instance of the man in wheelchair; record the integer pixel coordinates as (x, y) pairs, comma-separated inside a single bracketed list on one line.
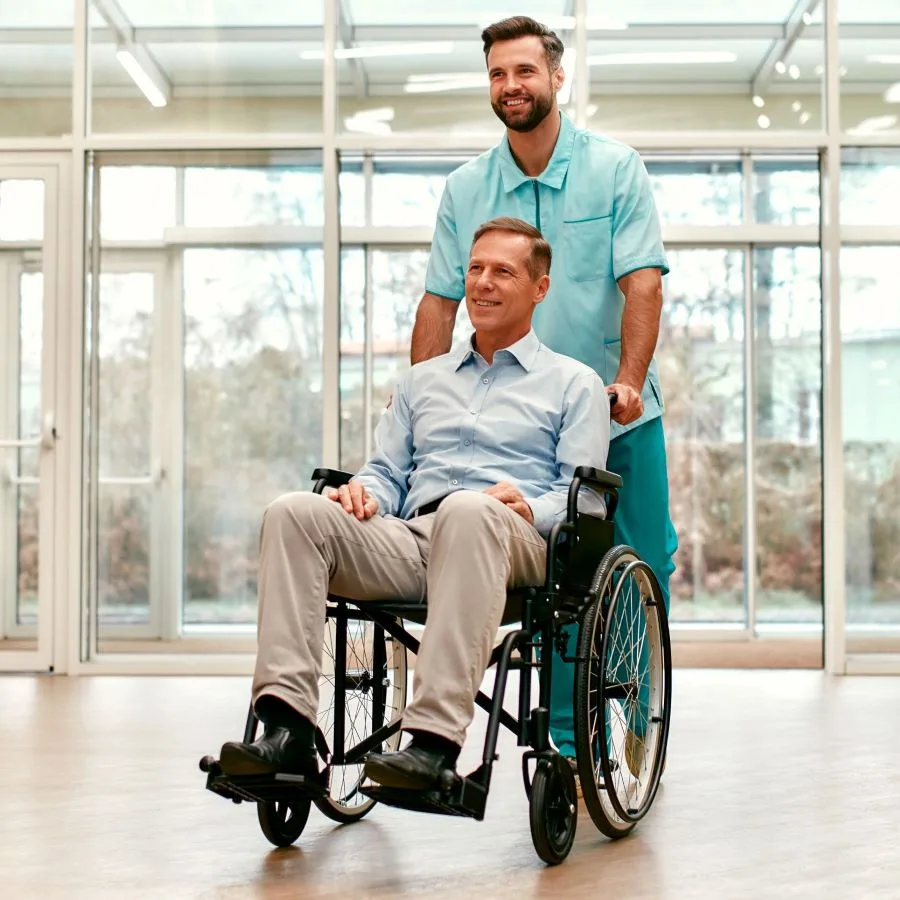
[(472, 464)]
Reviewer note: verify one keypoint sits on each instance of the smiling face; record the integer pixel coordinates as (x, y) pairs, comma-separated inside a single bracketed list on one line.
[(501, 293), (523, 89)]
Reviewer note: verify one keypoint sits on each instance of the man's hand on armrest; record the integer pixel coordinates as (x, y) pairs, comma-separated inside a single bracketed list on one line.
[(512, 497), (355, 499)]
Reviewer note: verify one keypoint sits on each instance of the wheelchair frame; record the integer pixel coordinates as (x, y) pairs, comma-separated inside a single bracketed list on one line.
[(562, 600)]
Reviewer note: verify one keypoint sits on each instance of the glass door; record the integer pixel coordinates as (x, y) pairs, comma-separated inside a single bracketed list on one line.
[(28, 254)]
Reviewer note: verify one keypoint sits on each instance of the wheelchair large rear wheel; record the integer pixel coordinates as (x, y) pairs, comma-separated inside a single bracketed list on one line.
[(623, 692), (368, 670)]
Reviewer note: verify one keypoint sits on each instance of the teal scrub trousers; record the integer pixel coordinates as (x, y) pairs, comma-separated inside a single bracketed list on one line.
[(642, 521)]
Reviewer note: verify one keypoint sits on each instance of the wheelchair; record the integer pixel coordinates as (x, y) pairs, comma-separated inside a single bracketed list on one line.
[(599, 593)]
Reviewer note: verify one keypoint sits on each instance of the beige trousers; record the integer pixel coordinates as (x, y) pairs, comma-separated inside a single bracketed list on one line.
[(464, 556)]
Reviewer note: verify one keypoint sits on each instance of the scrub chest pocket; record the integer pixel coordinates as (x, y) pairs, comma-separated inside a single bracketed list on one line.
[(587, 244)]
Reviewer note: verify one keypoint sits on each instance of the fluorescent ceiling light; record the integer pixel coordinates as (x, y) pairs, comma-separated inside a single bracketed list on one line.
[(874, 125), (425, 48), (674, 57), (892, 94), (562, 23), (141, 78), (888, 59), (452, 81)]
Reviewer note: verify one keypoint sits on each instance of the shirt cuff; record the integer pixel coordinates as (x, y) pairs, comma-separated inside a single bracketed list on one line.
[(627, 266), (444, 292), (547, 511)]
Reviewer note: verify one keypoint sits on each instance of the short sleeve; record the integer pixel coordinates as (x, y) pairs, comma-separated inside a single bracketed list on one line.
[(636, 235), (446, 275)]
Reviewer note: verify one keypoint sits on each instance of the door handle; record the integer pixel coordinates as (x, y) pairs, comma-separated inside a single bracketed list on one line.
[(45, 440)]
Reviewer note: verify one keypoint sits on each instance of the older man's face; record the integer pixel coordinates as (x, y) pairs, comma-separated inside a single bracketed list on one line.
[(500, 293)]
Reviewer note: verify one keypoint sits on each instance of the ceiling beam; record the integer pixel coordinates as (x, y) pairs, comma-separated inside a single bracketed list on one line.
[(358, 72), (797, 22), (126, 40), (263, 34)]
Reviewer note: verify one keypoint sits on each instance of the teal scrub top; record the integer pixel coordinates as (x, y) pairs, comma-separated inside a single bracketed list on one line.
[(594, 205)]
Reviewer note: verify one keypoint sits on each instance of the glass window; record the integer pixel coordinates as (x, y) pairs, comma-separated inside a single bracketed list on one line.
[(700, 357), (397, 283), (763, 81), (126, 334), (216, 66), (426, 71), (21, 210), (126, 191), (869, 57), (36, 69), (252, 332), (870, 185), (697, 193), (786, 192), (870, 325), (223, 197), (210, 381), (787, 304)]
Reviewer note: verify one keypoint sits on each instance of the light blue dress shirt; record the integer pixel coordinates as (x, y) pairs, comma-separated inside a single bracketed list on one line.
[(594, 205), (457, 423)]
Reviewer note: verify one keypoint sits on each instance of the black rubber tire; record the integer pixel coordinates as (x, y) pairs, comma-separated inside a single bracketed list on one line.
[(283, 822), (606, 811), (553, 811)]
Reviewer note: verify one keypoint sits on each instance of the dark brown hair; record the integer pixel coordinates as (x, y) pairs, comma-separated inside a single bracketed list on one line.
[(541, 255), (522, 26)]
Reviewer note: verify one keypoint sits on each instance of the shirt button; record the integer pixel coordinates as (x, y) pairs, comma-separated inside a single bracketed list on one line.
[(485, 381), (468, 442), (473, 412), (454, 481)]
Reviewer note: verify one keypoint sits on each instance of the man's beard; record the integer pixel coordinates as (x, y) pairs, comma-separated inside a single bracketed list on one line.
[(541, 107)]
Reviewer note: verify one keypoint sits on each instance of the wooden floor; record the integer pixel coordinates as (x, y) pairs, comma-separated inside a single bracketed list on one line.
[(779, 785)]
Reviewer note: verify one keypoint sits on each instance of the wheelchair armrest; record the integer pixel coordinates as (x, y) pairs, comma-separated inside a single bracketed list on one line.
[(599, 477), (329, 478), (608, 483)]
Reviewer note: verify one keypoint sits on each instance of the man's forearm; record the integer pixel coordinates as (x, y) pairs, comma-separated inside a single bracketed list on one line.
[(433, 329), (640, 325)]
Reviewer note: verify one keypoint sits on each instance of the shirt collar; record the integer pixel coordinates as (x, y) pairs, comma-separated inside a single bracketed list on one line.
[(555, 172), (524, 351)]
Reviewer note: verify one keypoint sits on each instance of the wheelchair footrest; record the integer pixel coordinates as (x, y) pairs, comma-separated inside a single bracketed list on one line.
[(279, 787), (466, 798)]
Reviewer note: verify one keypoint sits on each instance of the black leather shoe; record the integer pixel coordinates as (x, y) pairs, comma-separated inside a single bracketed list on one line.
[(278, 750), (414, 769)]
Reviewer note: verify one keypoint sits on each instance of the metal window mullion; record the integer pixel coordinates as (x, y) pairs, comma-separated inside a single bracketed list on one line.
[(833, 508), (368, 354), (331, 246), (9, 402), (749, 213), (581, 76), (165, 416), (750, 518), (46, 457), (91, 621)]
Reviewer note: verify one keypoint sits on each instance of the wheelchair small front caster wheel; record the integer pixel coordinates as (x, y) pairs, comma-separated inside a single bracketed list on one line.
[(553, 811), (283, 822)]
